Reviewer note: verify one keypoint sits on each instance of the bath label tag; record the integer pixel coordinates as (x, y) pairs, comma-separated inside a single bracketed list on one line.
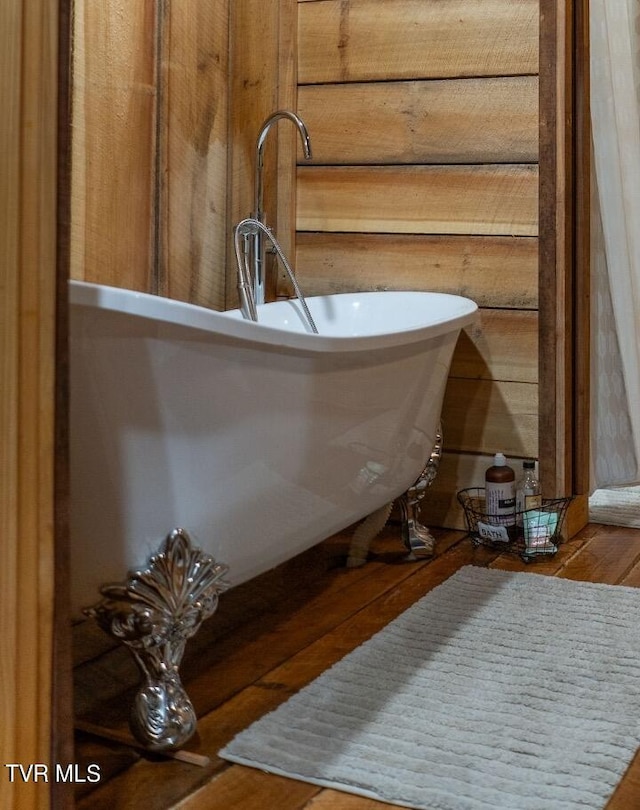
[(495, 533)]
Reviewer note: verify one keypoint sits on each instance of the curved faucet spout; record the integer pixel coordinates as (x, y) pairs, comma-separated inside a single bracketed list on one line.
[(262, 137), (258, 212)]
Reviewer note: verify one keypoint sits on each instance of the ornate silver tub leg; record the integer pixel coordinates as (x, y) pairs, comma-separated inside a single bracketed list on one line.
[(417, 538), (153, 613)]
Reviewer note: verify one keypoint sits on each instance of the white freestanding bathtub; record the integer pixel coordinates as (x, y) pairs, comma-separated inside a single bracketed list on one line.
[(259, 439)]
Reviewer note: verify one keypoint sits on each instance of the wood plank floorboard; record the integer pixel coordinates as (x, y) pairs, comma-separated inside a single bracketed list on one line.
[(272, 636)]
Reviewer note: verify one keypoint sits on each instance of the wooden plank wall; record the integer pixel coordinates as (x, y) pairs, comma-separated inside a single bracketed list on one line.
[(114, 104), (423, 116), (262, 57), (149, 179)]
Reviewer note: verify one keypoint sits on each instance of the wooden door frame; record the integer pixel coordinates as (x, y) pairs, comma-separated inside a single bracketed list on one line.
[(36, 715), (564, 252), (62, 710)]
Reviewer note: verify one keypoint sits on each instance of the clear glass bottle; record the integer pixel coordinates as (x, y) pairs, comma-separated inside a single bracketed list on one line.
[(529, 494)]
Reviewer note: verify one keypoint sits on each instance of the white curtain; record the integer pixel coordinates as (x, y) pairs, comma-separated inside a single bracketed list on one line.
[(615, 118)]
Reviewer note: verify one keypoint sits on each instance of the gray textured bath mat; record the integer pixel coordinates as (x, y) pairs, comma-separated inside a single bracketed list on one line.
[(496, 691)]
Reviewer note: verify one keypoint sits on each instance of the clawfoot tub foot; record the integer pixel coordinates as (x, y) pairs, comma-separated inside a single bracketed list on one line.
[(417, 538), (153, 614)]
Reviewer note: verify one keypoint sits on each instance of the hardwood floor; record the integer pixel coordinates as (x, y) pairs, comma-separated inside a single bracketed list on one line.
[(272, 636)]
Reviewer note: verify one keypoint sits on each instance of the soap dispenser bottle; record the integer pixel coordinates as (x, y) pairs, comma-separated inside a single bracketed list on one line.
[(500, 493)]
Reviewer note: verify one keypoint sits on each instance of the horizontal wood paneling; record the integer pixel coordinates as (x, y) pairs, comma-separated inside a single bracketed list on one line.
[(424, 118), (364, 40), (453, 121), (483, 416), (485, 199), (499, 271), (502, 346)]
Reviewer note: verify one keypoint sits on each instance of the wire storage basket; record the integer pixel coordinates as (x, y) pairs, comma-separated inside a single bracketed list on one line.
[(531, 533)]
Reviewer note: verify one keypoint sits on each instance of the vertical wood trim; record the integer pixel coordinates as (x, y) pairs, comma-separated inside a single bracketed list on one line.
[(158, 185), (288, 140), (582, 335), (370, 40), (28, 163), (555, 248), (564, 246), (62, 741)]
